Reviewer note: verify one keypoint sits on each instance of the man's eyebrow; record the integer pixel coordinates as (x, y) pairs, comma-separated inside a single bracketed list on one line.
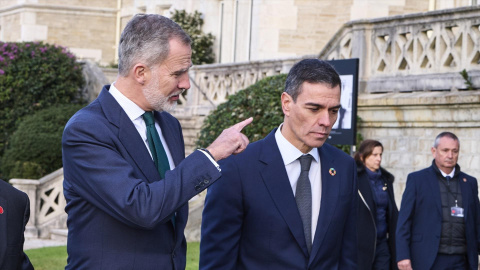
[(183, 70), (312, 104)]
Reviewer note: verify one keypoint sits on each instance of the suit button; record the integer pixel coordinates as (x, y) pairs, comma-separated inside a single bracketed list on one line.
[(206, 181), (197, 188)]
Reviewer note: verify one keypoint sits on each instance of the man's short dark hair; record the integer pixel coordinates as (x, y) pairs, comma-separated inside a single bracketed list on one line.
[(312, 71), (146, 39), (445, 134)]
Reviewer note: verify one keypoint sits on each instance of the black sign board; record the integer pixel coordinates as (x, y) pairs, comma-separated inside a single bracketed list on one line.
[(344, 131)]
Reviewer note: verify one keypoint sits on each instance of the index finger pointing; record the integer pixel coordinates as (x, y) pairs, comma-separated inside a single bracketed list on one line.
[(239, 126)]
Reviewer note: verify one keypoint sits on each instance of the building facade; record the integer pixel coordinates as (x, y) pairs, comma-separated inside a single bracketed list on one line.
[(245, 30)]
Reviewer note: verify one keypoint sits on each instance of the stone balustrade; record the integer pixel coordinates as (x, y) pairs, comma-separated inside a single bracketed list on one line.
[(47, 203), (414, 52), (212, 84)]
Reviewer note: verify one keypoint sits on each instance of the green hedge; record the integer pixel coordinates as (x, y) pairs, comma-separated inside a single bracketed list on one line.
[(34, 76), (202, 44), (260, 101), (34, 149)]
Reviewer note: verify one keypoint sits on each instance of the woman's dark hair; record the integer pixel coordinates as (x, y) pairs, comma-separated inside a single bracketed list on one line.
[(366, 149)]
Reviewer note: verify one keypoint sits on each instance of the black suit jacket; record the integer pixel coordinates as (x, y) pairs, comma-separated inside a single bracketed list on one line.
[(14, 215)]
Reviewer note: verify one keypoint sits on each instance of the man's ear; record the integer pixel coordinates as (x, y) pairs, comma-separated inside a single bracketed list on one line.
[(141, 73), (287, 101)]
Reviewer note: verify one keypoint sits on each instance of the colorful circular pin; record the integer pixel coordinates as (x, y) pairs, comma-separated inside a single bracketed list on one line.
[(464, 179), (1, 210), (332, 172)]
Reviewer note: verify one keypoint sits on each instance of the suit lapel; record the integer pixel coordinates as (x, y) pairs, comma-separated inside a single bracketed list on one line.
[(330, 195), (465, 189), (435, 190), (276, 180), (128, 135), (172, 137), (366, 190)]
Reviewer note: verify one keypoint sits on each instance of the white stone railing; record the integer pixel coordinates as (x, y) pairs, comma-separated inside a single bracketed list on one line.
[(423, 51), (212, 84), (47, 203)]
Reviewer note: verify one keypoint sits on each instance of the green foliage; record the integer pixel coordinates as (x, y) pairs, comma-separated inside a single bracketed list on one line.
[(34, 149), (260, 101), (34, 76), (467, 79), (202, 44)]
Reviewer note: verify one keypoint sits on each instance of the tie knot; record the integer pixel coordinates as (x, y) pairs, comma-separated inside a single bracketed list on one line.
[(305, 162), (448, 178), (148, 118)]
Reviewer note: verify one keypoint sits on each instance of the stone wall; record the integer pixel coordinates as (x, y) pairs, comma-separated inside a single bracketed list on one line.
[(87, 27), (244, 29), (407, 124)]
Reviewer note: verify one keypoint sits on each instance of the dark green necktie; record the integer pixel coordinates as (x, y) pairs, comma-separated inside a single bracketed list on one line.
[(155, 144), (156, 148)]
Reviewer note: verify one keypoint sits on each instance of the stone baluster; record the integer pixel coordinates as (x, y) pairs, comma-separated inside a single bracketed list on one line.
[(30, 187)]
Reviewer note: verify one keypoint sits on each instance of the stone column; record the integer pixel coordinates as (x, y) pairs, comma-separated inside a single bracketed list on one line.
[(30, 187)]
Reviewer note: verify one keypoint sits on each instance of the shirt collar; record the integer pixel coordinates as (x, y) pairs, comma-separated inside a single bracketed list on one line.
[(132, 110), (450, 174), (289, 152)]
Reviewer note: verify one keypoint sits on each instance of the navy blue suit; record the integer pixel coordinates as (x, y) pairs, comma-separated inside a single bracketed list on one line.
[(14, 215), (420, 219), (119, 210), (251, 220)]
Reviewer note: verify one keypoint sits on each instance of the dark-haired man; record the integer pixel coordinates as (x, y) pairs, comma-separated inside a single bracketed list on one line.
[(439, 220), (288, 201)]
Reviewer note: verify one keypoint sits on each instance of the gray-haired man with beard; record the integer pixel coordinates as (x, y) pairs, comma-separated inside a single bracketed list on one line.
[(127, 181)]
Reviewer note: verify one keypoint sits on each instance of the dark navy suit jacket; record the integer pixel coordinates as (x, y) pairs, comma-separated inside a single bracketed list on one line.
[(420, 219), (119, 210), (251, 220), (14, 215)]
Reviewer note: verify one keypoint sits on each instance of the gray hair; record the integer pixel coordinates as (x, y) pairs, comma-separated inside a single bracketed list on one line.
[(445, 134), (312, 71), (146, 39)]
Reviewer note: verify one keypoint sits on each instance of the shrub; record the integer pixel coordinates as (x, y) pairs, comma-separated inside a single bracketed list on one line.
[(260, 101), (34, 76), (202, 44), (34, 149)]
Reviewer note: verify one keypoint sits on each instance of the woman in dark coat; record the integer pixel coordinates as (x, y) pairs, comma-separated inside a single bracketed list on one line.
[(377, 211)]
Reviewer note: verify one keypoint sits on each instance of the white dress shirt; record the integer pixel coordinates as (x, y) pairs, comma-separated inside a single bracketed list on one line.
[(290, 155), (451, 174), (134, 112)]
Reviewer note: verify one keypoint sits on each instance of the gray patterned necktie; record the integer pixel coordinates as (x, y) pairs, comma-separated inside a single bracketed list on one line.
[(303, 197)]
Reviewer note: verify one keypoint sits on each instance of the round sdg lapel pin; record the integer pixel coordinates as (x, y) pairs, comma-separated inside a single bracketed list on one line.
[(332, 172)]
